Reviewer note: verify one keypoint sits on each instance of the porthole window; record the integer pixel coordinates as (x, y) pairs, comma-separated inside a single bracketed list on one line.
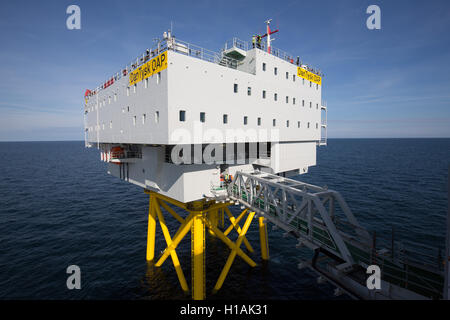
[(182, 115)]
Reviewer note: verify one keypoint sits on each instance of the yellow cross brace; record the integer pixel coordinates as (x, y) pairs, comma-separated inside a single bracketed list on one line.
[(233, 253), (173, 254), (235, 225)]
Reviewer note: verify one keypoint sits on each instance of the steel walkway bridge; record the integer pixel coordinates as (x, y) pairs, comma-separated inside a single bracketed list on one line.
[(342, 249)]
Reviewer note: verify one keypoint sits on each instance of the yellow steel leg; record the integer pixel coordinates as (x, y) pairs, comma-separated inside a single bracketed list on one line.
[(263, 239), (213, 217), (151, 229), (173, 254), (233, 253), (222, 218), (198, 257)]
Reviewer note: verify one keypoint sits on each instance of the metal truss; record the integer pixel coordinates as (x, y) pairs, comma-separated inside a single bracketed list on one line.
[(307, 211)]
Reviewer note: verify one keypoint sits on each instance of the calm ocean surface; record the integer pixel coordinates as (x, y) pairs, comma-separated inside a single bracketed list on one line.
[(59, 207)]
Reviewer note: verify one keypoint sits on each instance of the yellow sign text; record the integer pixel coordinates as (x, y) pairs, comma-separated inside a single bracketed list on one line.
[(305, 74), (149, 68)]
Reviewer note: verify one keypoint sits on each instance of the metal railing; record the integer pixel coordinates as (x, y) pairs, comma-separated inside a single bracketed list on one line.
[(245, 45), (196, 52), (236, 43), (321, 217), (162, 46)]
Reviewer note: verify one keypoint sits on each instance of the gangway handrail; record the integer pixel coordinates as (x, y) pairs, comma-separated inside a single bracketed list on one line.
[(301, 211)]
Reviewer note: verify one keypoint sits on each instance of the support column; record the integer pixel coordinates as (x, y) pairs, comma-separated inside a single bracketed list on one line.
[(213, 217), (198, 257), (222, 218), (151, 229), (263, 239)]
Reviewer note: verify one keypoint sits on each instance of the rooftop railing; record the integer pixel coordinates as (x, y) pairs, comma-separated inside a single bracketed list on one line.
[(169, 44), (200, 53)]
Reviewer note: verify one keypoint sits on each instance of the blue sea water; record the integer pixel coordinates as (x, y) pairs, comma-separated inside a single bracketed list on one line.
[(58, 207)]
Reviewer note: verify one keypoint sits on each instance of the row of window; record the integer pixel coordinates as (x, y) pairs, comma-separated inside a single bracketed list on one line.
[(245, 119), (202, 119), (275, 96), (275, 72), (144, 120), (146, 80), (103, 102)]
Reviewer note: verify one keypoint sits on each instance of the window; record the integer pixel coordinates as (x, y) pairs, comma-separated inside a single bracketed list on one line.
[(287, 99), (109, 100), (287, 75), (146, 83), (225, 118), (156, 116), (249, 91), (317, 106), (303, 103), (274, 122), (317, 125), (103, 126), (245, 120), (202, 117), (308, 125), (182, 115), (134, 88), (110, 124), (310, 104), (264, 94), (115, 96), (275, 71), (317, 86), (287, 123), (158, 78), (293, 77), (303, 81), (235, 88), (143, 118), (264, 66), (310, 84), (259, 121), (275, 97), (128, 109), (293, 100), (134, 120), (298, 124)]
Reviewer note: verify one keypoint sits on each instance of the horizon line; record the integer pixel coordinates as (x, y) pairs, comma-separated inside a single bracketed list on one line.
[(347, 138)]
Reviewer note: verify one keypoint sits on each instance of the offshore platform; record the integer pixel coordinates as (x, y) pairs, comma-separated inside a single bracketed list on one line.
[(202, 131)]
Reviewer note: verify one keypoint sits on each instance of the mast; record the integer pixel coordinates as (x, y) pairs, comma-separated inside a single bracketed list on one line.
[(268, 33)]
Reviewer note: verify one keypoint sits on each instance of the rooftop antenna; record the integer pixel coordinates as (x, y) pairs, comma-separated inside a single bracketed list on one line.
[(268, 33)]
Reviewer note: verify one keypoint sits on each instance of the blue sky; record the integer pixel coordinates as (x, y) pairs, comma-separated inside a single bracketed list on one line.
[(393, 82)]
